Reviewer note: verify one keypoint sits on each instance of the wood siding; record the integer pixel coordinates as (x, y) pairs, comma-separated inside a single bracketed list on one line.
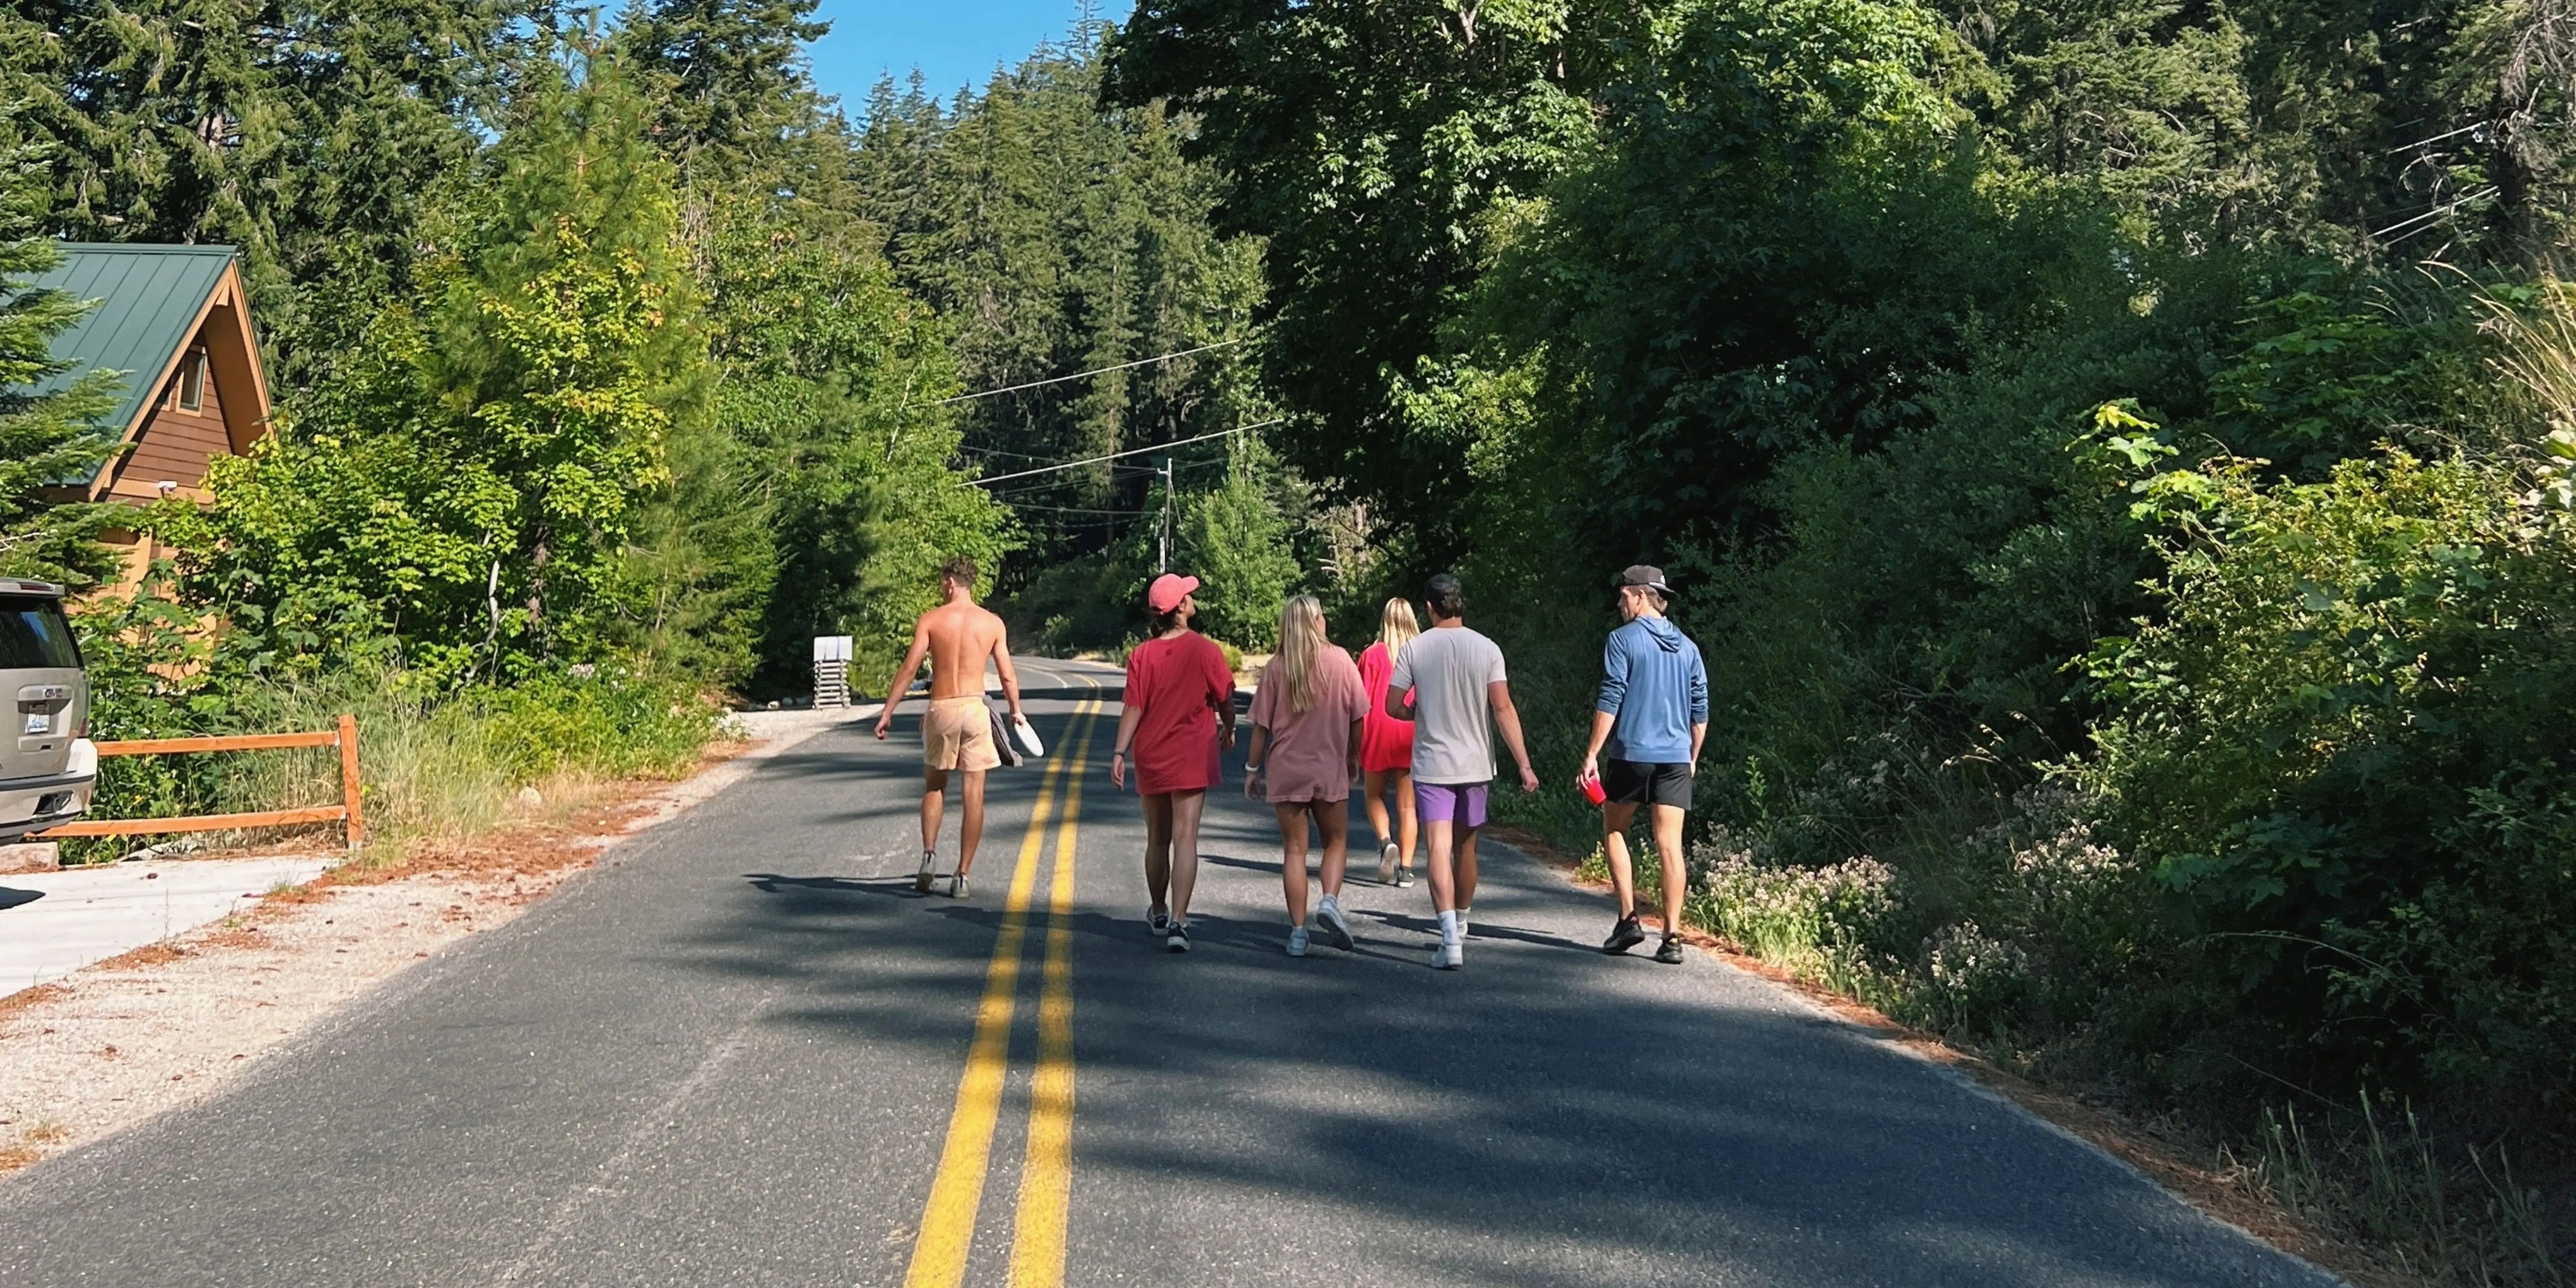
[(174, 444)]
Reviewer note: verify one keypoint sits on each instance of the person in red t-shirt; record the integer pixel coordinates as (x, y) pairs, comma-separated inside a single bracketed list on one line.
[(1178, 687)]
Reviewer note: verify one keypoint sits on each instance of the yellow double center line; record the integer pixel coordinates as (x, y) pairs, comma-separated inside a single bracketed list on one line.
[(1046, 1174)]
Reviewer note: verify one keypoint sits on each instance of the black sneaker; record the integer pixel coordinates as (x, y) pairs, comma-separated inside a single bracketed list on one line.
[(1624, 936), (1157, 922), (1176, 937), (1670, 953), (921, 879)]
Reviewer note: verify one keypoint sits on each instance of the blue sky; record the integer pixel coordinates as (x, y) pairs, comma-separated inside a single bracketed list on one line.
[(953, 42)]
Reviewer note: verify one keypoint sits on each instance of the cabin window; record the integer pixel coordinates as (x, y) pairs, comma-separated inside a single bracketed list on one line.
[(192, 380)]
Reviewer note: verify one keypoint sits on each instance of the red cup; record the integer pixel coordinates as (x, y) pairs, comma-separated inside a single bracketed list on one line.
[(1592, 790)]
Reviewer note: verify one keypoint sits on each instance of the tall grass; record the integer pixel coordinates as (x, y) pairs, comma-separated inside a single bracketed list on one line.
[(433, 767), (2463, 1220)]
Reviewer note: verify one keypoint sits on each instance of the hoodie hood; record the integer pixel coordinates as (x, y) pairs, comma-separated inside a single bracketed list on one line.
[(1667, 636)]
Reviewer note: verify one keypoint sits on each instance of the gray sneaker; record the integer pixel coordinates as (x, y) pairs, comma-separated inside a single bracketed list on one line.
[(1404, 878), (1449, 956), (957, 886), (921, 879), (1387, 854), (1329, 916), (1297, 940)]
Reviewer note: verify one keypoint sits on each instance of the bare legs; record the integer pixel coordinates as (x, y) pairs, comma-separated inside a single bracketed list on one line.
[(970, 822), (1667, 823), (1335, 819), (1453, 877), (1407, 829), (1172, 849)]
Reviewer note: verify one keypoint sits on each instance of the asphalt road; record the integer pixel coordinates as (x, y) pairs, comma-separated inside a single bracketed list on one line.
[(743, 1051)]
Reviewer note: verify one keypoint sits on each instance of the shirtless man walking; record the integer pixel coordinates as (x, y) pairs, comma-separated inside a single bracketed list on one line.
[(957, 732)]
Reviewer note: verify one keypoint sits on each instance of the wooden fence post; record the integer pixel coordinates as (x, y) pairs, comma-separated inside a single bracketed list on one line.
[(357, 828)]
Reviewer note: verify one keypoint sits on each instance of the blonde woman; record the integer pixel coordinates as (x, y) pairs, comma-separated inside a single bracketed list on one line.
[(1386, 746), (1305, 751)]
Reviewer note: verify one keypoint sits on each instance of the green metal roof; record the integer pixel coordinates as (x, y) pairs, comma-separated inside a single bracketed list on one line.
[(149, 297)]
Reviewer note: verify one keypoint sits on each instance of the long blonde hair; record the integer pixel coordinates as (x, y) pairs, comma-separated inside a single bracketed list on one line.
[(1396, 627), (1301, 649)]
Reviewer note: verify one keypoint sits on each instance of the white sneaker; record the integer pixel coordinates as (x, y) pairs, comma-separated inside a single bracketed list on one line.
[(1462, 921), (1329, 916), (1297, 942), (1449, 956), (1386, 857)]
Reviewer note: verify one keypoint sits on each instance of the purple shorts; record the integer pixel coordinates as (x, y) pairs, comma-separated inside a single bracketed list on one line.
[(1459, 803)]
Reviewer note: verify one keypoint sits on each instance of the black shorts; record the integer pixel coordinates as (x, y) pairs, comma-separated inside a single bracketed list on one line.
[(1637, 782)]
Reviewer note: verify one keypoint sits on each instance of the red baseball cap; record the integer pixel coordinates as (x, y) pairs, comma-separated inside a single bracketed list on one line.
[(1168, 591)]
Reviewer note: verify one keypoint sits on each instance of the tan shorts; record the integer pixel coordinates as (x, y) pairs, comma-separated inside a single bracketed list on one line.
[(957, 733)]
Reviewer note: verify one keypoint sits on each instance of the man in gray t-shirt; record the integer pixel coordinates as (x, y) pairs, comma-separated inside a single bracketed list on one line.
[(1459, 702)]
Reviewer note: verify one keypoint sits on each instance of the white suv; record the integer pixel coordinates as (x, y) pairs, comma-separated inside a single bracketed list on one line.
[(48, 777)]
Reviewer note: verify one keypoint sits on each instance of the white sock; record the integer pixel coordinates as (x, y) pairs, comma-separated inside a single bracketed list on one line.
[(1463, 914), (1449, 930)]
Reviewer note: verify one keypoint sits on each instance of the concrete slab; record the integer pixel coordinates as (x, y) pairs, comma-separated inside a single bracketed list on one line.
[(54, 923)]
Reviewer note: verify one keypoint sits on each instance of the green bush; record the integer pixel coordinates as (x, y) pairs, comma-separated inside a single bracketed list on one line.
[(434, 762), (2342, 741)]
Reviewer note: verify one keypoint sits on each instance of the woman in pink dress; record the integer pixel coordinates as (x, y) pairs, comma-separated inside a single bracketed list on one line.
[(1305, 751), (1386, 746)]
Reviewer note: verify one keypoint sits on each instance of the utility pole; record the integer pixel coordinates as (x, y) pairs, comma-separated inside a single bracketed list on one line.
[(1163, 544)]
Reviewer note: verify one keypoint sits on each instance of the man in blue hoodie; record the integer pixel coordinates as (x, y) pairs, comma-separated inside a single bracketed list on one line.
[(1653, 713)]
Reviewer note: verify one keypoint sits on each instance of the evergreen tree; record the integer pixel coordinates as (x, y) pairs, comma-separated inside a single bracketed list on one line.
[(49, 430), (1234, 538), (733, 99), (304, 132), (1058, 237)]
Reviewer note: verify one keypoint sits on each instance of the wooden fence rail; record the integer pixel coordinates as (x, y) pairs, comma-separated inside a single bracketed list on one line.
[(345, 813)]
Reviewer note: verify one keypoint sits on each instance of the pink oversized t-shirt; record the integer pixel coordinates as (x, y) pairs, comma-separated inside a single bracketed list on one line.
[(1310, 751)]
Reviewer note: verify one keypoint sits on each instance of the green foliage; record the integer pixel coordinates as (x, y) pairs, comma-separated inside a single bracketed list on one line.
[(830, 482), (2336, 738), (437, 764), (732, 97), (48, 430), (473, 484), (1368, 144), (306, 133), (1234, 540), (1058, 236)]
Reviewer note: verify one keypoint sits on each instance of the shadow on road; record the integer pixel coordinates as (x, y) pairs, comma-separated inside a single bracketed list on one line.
[(1559, 1117)]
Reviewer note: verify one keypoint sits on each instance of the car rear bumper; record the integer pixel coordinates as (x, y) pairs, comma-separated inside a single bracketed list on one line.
[(34, 804)]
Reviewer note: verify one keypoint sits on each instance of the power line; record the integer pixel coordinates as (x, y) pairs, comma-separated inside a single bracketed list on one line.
[(1044, 488), (1097, 371), (1066, 509), (1137, 451)]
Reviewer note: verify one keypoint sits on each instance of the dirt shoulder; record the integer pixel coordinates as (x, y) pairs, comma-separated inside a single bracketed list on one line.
[(176, 1022)]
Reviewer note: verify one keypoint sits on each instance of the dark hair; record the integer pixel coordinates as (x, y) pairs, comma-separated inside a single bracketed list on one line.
[(1166, 621), (959, 569), (1446, 595)]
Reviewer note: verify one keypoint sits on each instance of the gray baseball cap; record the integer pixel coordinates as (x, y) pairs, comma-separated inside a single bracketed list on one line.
[(1646, 575)]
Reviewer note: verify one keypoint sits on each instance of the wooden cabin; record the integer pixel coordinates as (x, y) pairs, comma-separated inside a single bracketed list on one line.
[(175, 320)]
